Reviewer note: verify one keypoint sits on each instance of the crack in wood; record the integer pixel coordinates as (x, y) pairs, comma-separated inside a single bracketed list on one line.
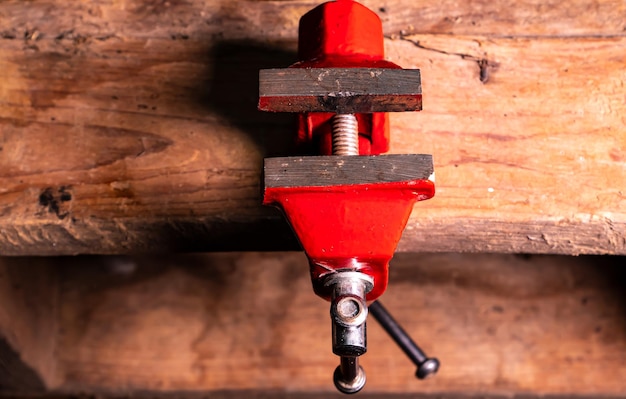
[(484, 65)]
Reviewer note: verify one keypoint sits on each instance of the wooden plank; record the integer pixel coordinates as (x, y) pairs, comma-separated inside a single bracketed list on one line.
[(160, 147), (529, 18), (276, 394), (520, 150), (500, 324), (257, 19), (27, 325), (132, 127)]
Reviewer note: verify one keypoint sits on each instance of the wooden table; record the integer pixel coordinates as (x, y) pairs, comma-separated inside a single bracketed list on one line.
[(132, 126)]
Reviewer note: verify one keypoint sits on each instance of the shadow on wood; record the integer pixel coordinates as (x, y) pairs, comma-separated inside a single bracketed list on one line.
[(234, 93), (15, 375), (250, 321)]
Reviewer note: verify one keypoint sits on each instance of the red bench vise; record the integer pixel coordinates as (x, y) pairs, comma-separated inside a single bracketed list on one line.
[(347, 204)]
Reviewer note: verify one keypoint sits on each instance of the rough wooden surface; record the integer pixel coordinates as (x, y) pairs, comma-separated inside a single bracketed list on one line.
[(232, 325), (501, 325), (258, 19), (274, 394), (28, 315), (131, 126)]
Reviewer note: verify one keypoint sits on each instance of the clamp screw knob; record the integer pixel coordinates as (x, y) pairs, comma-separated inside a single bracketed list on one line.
[(349, 377), (426, 366)]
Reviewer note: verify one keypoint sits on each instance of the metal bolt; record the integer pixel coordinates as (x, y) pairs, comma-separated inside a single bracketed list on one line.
[(426, 367), (349, 377), (345, 134), (348, 311), (348, 308)]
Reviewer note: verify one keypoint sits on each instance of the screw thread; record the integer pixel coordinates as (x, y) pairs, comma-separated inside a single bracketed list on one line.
[(345, 134)]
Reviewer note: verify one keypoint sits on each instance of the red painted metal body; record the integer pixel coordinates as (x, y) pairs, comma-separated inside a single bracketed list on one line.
[(342, 34), (355, 227)]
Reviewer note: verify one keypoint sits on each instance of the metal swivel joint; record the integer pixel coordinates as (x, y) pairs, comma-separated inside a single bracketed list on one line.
[(348, 311)]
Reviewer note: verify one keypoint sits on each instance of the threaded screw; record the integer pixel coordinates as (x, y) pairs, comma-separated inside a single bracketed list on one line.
[(345, 134)]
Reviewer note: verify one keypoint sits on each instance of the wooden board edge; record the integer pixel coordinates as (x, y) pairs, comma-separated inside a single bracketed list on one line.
[(271, 232)]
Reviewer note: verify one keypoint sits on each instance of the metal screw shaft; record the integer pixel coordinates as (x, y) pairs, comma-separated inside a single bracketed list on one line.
[(349, 377), (426, 366), (349, 309), (345, 134)]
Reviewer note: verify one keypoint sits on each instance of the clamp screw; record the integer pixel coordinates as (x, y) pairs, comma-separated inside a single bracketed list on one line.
[(426, 366), (345, 134), (349, 377)]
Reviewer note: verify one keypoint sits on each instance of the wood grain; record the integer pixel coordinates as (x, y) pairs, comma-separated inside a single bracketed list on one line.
[(276, 394), (132, 127), (256, 19), (500, 324)]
